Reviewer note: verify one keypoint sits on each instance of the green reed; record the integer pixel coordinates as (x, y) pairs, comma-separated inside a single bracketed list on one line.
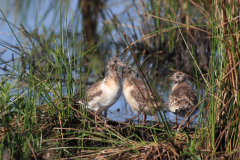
[(42, 84), (221, 98)]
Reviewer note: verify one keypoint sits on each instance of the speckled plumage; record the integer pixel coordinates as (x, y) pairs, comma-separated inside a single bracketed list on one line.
[(136, 94), (183, 96)]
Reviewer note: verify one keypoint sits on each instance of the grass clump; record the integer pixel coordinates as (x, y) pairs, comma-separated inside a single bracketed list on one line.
[(40, 118)]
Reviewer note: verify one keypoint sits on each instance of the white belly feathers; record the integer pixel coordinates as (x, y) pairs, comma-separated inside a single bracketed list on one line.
[(111, 92), (131, 101)]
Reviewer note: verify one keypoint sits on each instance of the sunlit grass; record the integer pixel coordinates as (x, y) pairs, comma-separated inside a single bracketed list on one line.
[(39, 114)]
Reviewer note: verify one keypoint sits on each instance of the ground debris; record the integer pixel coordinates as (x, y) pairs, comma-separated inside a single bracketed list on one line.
[(139, 140)]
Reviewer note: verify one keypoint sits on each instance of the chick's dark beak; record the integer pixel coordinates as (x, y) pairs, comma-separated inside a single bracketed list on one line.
[(170, 78), (120, 64)]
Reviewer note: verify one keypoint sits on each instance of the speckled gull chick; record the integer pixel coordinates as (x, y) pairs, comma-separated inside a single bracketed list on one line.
[(183, 96), (103, 94), (134, 90)]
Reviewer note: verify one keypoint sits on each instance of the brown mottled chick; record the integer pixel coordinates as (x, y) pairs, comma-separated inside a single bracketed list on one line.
[(103, 94), (183, 96), (136, 94)]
